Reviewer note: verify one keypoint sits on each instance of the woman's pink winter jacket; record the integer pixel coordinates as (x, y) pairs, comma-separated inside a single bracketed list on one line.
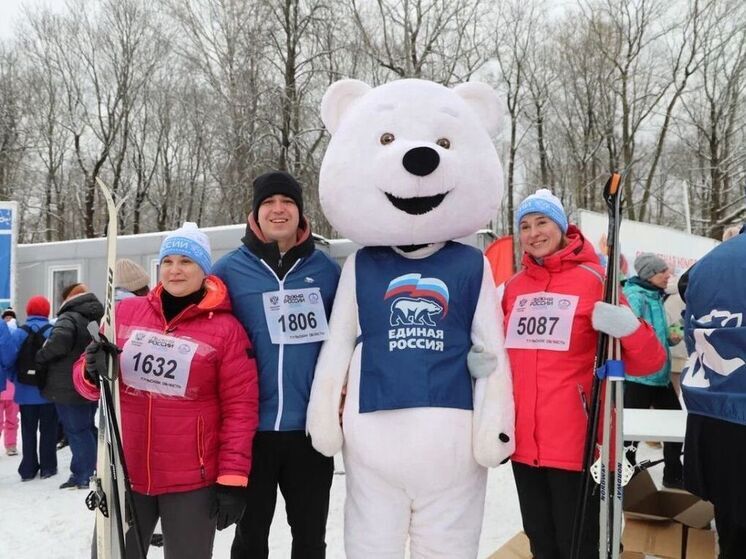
[(175, 443)]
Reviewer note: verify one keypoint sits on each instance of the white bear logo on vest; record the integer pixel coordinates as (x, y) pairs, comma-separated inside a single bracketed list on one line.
[(425, 301), (410, 167)]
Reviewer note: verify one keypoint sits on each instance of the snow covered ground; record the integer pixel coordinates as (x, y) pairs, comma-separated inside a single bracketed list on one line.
[(40, 521)]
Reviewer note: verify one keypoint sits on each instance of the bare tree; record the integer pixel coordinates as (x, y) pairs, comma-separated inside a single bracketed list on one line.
[(440, 40), (516, 25), (716, 112), (222, 43), (11, 116)]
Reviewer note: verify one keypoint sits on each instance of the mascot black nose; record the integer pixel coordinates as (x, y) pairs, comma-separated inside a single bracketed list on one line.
[(421, 161)]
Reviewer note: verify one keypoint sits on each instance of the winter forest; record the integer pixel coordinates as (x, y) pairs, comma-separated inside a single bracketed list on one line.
[(178, 104)]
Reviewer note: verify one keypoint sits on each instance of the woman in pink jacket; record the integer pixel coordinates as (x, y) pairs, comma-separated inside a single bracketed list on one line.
[(553, 312), (189, 400)]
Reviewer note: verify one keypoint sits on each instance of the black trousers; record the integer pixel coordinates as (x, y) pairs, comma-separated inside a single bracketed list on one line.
[(714, 464), (41, 418), (288, 461), (548, 498), (188, 529), (644, 396), (731, 536)]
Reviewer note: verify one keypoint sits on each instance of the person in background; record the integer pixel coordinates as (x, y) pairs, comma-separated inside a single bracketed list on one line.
[(278, 254), (65, 345), (8, 408), (38, 415), (188, 400), (713, 384), (9, 316), (645, 294), (130, 280), (553, 313)]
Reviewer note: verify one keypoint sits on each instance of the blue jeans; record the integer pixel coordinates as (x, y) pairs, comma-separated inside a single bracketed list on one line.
[(41, 417), (78, 421)]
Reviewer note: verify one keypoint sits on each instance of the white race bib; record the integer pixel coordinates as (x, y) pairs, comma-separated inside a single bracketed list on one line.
[(541, 320), (157, 363), (295, 316)]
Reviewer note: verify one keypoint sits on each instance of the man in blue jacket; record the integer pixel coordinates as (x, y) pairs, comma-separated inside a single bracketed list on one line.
[(37, 413), (714, 386), (281, 289)]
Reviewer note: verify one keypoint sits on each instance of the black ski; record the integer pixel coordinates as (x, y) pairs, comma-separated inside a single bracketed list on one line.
[(606, 348)]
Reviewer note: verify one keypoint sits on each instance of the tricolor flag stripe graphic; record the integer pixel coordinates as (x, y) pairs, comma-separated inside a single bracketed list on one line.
[(415, 285)]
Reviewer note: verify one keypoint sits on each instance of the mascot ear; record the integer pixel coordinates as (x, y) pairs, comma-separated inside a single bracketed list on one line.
[(485, 102), (338, 99)]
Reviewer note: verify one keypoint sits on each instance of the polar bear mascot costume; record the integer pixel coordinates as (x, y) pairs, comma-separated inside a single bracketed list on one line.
[(410, 167)]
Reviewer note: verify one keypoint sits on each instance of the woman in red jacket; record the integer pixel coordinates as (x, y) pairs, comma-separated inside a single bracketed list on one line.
[(188, 400), (553, 312)]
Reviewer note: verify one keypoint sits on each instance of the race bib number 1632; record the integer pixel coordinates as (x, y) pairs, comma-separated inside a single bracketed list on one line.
[(157, 363), (541, 320)]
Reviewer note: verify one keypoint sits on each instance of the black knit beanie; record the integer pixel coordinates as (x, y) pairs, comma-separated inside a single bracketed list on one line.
[(276, 182)]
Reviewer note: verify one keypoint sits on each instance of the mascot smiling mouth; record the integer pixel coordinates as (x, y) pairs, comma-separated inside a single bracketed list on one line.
[(418, 205)]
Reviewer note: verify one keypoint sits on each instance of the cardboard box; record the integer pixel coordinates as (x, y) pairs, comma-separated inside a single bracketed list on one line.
[(700, 544), (643, 500), (660, 538), (517, 547), (666, 523)]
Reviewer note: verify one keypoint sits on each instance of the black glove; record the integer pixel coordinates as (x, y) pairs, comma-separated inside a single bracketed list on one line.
[(96, 362), (228, 504)]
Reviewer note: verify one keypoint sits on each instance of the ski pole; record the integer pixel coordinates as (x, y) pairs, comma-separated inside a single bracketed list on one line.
[(113, 426)]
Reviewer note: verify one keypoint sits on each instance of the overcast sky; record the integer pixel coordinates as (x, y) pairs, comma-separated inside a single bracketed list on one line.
[(10, 12)]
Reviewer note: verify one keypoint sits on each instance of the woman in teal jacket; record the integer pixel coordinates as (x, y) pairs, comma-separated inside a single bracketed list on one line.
[(644, 293)]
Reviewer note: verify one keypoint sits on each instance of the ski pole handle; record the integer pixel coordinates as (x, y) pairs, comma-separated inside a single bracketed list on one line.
[(106, 362)]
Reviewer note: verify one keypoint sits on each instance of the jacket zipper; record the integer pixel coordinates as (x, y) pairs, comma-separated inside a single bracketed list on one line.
[(170, 325), (150, 419), (281, 349), (583, 400), (201, 445)]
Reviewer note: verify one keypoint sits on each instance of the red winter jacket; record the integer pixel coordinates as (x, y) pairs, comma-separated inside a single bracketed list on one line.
[(550, 387), (174, 443)]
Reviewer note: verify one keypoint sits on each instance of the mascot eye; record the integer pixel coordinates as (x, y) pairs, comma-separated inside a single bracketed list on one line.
[(445, 143), (387, 138)]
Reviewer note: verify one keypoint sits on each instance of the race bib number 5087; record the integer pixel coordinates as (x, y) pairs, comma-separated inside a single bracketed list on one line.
[(541, 320)]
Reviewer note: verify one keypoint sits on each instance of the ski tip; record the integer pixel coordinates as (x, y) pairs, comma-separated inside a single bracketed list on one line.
[(612, 185), (102, 184)]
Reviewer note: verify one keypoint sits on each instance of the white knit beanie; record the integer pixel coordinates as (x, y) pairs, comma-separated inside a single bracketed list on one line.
[(188, 241), (545, 203)]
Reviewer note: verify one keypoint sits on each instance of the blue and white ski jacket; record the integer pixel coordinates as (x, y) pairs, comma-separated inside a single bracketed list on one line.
[(285, 370), (714, 379)]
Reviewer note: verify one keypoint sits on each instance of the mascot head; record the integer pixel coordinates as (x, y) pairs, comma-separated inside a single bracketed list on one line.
[(410, 162)]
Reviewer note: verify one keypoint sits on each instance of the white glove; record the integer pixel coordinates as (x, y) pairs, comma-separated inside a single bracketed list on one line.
[(615, 320), (481, 363)]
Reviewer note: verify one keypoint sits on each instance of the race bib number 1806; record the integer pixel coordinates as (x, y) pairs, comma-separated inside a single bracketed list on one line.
[(295, 316), (541, 320)]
